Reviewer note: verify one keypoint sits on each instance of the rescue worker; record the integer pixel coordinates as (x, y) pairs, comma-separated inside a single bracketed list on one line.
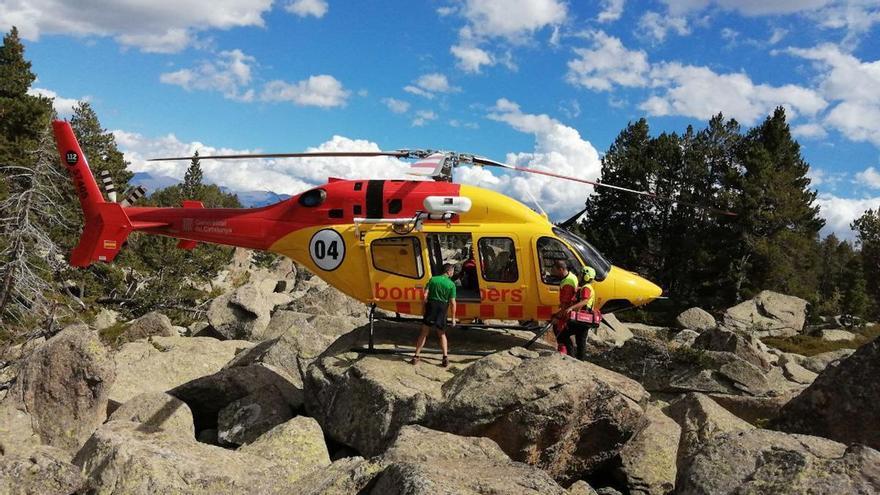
[(575, 315), (439, 295)]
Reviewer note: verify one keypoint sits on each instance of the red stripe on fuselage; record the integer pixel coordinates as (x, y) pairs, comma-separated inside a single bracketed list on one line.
[(259, 228)]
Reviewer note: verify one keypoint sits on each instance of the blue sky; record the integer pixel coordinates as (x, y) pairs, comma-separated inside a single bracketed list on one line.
[(548, 83)]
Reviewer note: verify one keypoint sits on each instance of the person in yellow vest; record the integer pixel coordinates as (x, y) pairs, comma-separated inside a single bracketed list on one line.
[(575, 315)]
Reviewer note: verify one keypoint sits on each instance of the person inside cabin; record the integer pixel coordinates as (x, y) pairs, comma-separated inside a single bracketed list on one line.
[(469, 273), (439, 296)]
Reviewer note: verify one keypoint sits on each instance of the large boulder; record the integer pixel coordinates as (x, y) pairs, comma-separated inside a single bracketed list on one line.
[(414, 444), (166, 362), (696, 319), (841, 404), (746, 347), (270, 399), (245, 313), (818, 362), (769, 314), (44, 471), (836, 335), (648, 460), (128, 458), (764, 461), (701, 420), (554, 412), (794, 371), (157, 410), (346, 476), (153, 324), (299, 440), (64, 386), (318, 298), (611, 332)]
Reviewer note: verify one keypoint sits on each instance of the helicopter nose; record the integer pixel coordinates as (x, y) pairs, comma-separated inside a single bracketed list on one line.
[(633, 288)]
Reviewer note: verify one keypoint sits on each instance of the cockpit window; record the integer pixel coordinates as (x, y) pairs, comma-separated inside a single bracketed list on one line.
[(590, 255), (312, 198)]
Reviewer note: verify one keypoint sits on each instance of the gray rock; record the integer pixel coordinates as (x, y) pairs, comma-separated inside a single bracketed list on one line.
[(559, 414), (755, 410), (581, 487), (106, 318), (44, 470), (794, 371), (764, 461), (124, 458), (322, 299), (347, 476), (245, 419), (819, 362), (245, 313), (836, 335), (453, 477), (299, 441), (64, 386), (157, 410), (841, 404), (696, 319), (701, 420), (153, 324), (209, 395), (420, 444), (744, 346), (167, 362), (684, 338), (648, 460), (768, 314), (611, 332)]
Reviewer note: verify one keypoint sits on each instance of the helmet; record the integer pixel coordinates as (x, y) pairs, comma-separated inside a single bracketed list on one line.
[(588, 274)]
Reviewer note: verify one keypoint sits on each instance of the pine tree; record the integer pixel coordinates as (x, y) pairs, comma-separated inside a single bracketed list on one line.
[(778, 220), (192, 181), (867, 229)]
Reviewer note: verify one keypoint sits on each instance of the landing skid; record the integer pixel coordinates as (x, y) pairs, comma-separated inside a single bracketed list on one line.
[(538, 329)]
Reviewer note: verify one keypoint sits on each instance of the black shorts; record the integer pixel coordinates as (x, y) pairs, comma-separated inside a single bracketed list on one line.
[(435, 314)]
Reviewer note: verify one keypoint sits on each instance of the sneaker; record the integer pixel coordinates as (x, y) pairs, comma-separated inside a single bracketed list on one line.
[(414, 361), (445, 362)]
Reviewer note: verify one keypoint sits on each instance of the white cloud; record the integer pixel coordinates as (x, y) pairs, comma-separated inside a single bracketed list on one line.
[(611, 10), (839, 213), (701, 93), (395, 105), (777, 35), (153, 26), (318, 91), (811, 130), (657, 26), (305, 8), (423, 117), (471, 58), (747, 7), (229, 75), (513, 20), (607, 63), (869, 177), (288, 176), (429, 85), (63, 106), (558, 148), (854, 84)]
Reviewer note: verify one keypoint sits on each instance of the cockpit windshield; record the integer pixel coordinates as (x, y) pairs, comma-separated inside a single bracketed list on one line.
[(589, 254)]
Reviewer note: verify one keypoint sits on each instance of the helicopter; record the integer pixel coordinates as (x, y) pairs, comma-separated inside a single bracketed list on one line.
[(379, 241)]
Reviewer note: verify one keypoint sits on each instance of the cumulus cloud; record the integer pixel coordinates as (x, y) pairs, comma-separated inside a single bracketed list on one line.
[(229, 74), (471, 58), (156, 26), (839, 213), (747, 7), (395, 105), (304, 8), (700, 92), (290, 176), (607, 63), (657, 26), (811, 130), (513, 20), (854, 85), (317, 91), (423, 117), (63, 106), (429, 85), (869, 177), (611, 10)]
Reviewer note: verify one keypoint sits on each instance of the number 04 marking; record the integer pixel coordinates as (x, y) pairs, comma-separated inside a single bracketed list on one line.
[(327, 249)]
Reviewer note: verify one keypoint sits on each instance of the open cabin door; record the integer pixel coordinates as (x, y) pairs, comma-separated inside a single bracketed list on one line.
[(547, 251), (503, 282), (398, 271)]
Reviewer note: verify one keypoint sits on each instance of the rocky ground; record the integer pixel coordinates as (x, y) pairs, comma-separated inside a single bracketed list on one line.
[(267, 396)]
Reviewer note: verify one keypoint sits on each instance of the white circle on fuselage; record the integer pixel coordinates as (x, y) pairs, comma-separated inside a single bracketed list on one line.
[(327, 249)]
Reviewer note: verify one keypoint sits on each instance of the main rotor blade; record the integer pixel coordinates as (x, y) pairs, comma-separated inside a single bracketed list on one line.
[(485, 161), (399, 154)]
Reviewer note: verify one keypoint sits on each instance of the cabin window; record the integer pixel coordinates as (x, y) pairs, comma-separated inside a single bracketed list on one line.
[(550, 250), (591, 256), (399, 256), (455, 248), (498, 259), (312, 198)]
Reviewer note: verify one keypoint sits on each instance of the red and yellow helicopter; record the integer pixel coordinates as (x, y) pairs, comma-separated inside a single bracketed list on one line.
[(380, 240)]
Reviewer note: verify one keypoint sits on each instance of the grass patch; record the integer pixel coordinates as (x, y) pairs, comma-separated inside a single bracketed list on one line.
[(111, 334), (808, 345)]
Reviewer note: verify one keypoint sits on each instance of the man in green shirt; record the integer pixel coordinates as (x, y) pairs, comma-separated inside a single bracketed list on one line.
[(439, 292)]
